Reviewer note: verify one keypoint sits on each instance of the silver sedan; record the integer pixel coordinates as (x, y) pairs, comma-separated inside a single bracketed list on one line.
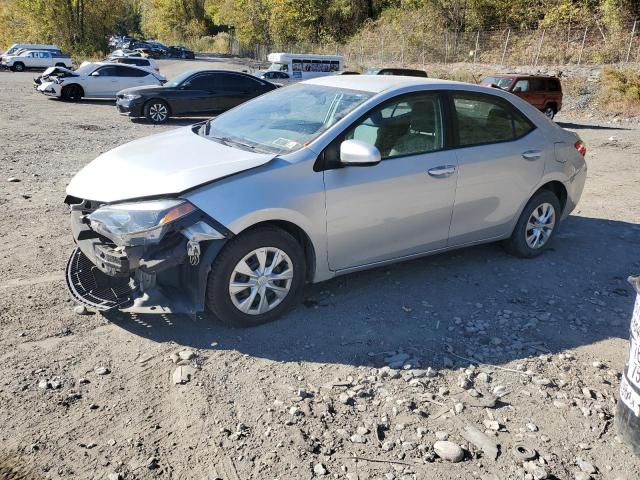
[(318, 179)]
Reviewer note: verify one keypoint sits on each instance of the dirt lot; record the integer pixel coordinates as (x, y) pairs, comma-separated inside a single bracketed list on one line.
[(308, 396)]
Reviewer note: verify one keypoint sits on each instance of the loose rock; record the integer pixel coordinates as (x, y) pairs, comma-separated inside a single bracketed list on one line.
[(448, 451)]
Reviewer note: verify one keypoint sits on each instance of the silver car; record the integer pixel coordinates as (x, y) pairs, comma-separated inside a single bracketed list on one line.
[(318, 179)]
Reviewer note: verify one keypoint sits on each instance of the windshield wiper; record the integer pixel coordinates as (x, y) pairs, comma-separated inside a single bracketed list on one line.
[(229, 142)]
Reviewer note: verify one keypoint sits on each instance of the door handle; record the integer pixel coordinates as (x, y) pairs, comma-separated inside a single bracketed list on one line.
[(532, 154), (442, 171)]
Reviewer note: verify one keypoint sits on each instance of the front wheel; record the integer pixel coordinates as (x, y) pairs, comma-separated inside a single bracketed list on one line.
[(18, 67), (536, 226), (72, 93), (156, 111), (256, 277)]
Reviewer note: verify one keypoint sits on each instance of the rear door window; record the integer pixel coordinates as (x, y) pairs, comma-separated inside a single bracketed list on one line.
[(521, 86), (124, 71), (236, 83), (482, 119)]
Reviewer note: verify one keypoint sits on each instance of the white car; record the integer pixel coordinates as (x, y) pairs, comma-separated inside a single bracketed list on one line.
[(100, 80), (146, 63), (35, 59)]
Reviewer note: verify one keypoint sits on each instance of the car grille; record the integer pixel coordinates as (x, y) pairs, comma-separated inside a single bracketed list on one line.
[(90, 286)]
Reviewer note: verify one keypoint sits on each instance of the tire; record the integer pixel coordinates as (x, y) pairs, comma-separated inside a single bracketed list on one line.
[(549, 111), (520, 243), (157, 111), (72, 93), (18, 67), (61, 65), (240, 253)]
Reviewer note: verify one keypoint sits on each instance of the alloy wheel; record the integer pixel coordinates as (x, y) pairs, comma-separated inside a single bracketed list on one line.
[(158, 112), (540, 225), (549, 112), (261, 280)]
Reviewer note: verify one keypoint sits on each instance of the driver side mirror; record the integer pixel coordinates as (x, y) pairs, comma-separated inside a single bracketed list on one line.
[(185, 85), (517, 90), (95, 74), (358, 154)]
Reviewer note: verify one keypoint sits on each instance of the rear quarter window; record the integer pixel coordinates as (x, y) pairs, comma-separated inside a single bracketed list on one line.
[(483, 119)]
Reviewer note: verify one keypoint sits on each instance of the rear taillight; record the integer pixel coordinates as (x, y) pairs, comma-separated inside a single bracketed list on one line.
[(157, 69), (581, 147)]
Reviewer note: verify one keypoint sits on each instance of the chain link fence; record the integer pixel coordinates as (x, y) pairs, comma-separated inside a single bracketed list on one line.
[(415, 45)]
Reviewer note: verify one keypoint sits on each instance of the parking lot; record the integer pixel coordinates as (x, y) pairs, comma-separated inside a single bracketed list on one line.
[(278, 400)]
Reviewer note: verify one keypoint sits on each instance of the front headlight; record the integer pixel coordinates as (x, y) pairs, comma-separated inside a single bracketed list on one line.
[(138, 223), (131, 96)]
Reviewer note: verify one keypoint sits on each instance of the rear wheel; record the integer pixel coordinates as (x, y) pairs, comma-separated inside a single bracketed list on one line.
[(256, 277), (18, 67), (549, 111), (156, 111), (59, 64), (536, 226), (72, 93)]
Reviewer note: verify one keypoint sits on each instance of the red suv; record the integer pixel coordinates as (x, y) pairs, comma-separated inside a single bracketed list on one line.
[(543, 92)]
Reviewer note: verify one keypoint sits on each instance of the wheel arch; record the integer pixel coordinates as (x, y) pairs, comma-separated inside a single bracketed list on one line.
[(301, 236), (551, 184), (558, 189), (72, 84), (144, 107)]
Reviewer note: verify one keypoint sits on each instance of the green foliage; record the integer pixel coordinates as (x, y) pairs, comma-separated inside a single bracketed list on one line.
[(621, 85), (83, 25)]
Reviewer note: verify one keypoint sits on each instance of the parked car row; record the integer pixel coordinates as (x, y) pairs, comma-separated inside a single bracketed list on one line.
[(150, 48), (20, 57)]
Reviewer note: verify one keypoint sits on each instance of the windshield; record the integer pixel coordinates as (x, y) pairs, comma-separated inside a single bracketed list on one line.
[(286, 119), (280, 67), (86, 69), (501, 82), (179, 79)]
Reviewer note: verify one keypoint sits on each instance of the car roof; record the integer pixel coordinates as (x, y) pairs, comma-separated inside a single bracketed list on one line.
[(522, 75), (126, 65), (380, 83)]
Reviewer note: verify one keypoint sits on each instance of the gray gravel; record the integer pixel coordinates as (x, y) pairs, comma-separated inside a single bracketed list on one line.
[(288, 399)]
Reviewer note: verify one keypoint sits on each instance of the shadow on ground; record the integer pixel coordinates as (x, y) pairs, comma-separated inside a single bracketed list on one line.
[(580, 126), (574, 294)]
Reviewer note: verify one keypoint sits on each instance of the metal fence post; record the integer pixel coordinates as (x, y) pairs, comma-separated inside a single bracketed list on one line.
[(584, 38), (535, 64), (446, 46), (633, 31), (504, 51)]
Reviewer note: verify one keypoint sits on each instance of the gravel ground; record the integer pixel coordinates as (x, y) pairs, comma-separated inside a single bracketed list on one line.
[(358, 382)]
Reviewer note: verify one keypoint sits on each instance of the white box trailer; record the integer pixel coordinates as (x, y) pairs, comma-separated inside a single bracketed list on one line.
[(301, 66)]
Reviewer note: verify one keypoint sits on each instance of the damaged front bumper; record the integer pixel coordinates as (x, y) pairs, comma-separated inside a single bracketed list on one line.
[(169, 276)]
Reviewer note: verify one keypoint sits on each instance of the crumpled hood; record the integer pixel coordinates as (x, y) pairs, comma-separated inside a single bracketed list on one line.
[(163, 164)]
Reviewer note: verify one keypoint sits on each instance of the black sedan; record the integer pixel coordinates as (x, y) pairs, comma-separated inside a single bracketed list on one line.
[(176, 51), (193, 92)]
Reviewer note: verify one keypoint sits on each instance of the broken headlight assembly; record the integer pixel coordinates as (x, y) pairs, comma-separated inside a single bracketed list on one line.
[(138, 223)]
